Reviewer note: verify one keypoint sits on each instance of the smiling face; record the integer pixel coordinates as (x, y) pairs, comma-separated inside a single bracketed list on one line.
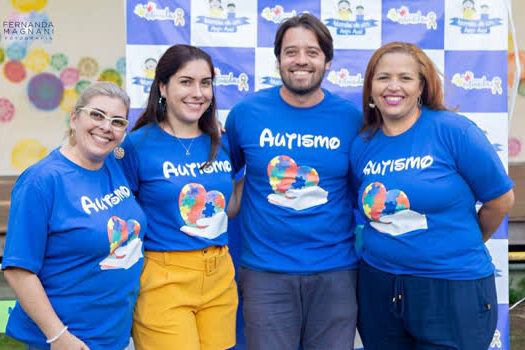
[(95, 142), (302, 62), (396, 86), (188, 93), (343, 6), (150, 63), (468, 5)]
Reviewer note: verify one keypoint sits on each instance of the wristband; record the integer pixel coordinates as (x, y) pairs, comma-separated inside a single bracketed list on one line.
[(49, 341)]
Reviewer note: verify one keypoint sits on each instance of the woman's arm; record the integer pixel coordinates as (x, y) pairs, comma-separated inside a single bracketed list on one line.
[(33, 299), (492, 213), (234, 205)]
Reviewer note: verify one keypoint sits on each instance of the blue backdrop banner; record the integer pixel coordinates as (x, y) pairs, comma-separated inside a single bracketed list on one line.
[(467, 41)]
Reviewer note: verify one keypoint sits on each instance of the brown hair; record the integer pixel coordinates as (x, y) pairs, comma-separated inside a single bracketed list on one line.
[(310, 22), (432, 95), (171, 61)]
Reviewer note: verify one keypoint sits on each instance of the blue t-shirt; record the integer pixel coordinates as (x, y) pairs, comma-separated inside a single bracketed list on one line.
[(80, 231), (296, 213), (418, 192), (185, 205)]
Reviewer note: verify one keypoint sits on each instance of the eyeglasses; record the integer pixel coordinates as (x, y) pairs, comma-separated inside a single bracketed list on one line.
[(99, 118)]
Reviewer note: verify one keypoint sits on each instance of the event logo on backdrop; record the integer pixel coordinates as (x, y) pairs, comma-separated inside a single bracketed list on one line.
[(469, 81), (234, 74), (150, 12), (171, 19), (475, 21), (346, 74), (271, 13), (421, 22), (477, 84), (348, 23), (277, 14), (223, 23), (344, 78), (353, 25), (229, 79), (403, 16), (220, 20), (471, 24)]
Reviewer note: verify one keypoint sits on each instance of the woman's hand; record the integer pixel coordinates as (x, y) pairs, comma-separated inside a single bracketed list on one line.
[(493, 212), (33, 299), (68, 341), (234, 205)]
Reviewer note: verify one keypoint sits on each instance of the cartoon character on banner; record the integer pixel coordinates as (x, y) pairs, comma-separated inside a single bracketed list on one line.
[(344, 24), (471, 23), (219, 22), (149, 74)]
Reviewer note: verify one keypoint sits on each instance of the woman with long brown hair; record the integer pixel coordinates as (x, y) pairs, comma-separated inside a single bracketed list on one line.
[(182, 177)]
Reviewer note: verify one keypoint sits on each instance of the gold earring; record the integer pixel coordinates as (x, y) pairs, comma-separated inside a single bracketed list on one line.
[(72, 137)]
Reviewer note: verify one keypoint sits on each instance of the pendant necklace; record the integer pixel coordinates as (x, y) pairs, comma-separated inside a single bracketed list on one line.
[(187, 149)]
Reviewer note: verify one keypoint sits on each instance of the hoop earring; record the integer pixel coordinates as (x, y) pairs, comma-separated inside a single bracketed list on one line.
[(419, 101), (371, 103)]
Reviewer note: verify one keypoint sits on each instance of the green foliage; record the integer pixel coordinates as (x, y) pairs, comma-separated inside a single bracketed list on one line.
[(7, 343), (518, 293)]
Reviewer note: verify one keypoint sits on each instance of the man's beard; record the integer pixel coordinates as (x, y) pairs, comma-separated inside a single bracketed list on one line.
[(303, 91)]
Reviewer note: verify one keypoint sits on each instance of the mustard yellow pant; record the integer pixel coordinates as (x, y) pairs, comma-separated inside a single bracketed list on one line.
[(187, 300)]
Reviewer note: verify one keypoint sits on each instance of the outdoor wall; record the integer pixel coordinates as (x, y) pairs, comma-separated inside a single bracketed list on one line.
[(72, 44)]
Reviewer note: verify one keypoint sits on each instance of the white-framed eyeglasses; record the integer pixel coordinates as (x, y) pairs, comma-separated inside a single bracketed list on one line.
[(99, 118)]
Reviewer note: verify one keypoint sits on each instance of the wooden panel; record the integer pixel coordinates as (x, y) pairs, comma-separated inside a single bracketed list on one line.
[(517, 174), (6, 185)]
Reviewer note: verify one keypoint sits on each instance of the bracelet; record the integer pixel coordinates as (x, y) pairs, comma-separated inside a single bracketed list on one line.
[(49, 341)]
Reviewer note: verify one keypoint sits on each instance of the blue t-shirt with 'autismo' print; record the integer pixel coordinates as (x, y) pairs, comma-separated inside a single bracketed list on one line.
[(418, 192), (80, 231), (185, 203), (296, 211)]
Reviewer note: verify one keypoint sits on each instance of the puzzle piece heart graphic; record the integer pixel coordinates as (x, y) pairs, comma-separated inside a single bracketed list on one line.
[(285, 174), (121, 232), (377, 201), (195, 203)]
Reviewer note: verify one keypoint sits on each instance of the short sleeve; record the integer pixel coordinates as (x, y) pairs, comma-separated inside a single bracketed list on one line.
[(232, 133), (480, 166), (130, 164), (27, 227), (354, 158)]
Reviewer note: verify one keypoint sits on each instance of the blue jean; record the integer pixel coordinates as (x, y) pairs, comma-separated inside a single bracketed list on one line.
[(282, 311), (404, 312)]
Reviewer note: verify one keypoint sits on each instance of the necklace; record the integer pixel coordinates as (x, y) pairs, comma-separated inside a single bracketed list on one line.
[(187, 149)]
